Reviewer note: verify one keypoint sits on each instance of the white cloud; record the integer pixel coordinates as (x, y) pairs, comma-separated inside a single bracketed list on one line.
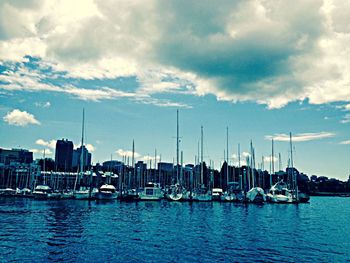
[(147, 158), (46, 104), (31, 80), (246, 154), (268, 159), (90, 147), (264, 51), (20, 118), (51, 144), (301, 137), (345, 142), (41, 151), (346, 118), (127, 153)]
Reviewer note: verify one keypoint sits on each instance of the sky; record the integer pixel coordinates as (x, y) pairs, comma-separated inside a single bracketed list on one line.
[(261, 68)]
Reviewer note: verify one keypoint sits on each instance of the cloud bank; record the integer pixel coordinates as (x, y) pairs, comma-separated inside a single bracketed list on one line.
[(301, 137), (270, 52)]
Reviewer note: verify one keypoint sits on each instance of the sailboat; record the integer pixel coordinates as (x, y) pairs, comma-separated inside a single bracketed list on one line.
[(229, 195), (175, 191), (130, 194), (202, 194), (81, 193), (255, 194), (280, 192)]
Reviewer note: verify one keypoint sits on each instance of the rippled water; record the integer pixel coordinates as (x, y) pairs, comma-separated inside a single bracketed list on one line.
[(82, 231)]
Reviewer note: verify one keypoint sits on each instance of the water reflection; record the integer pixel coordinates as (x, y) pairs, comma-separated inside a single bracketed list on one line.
[(76, 231)]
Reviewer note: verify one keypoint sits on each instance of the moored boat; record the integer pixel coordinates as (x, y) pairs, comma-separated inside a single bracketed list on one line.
[(216, 194), (279, 193), (151, 192), (42, 192), (174, 193), (256, 195), (106, 192)]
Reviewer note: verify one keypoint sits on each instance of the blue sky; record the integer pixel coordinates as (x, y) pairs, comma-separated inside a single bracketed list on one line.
[(262, 68)]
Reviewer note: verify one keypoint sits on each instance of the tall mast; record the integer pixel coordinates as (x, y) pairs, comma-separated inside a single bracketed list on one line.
[(82, 144), (202, 181), (177, 146), (239, 165), (272, 168), (294, 178), (181, 171), (273, 159), (279, 162), (227, 177), (44, 166), (133, 165)]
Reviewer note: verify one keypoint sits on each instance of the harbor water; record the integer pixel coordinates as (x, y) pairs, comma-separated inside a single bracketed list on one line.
[(83, 231)]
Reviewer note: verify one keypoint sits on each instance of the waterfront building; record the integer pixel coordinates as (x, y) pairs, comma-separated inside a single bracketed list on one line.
[(15, 155), (64, 155)]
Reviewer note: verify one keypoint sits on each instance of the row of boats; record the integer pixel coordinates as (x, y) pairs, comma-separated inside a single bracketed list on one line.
[(279, 193)]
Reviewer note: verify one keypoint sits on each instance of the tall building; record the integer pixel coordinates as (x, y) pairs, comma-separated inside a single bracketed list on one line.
[(15, 155), (77, 155), (64, 155)]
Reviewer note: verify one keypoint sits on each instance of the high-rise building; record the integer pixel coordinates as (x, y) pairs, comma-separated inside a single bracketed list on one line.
[(64, 155), (77, 158)]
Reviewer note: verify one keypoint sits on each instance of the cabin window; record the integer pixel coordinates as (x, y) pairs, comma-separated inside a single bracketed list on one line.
[(149, 191)]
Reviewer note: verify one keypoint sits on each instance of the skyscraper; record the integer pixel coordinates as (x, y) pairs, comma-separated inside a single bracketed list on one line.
[(64, 155)]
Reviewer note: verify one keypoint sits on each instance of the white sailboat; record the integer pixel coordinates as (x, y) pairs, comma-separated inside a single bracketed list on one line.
[(280, 192), (256, 195), (175, 191), (81, 193), (202, 194)]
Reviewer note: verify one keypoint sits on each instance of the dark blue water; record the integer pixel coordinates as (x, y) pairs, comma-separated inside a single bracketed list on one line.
[(82, 231)]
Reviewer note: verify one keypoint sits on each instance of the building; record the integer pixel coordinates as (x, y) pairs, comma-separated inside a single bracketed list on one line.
[(76, 158), (64, 155), (15, 155)]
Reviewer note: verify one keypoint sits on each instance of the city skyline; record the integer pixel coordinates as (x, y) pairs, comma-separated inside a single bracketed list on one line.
[(261, 69)]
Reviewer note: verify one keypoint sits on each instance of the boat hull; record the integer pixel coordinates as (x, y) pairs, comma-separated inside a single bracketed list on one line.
[(106, 196)]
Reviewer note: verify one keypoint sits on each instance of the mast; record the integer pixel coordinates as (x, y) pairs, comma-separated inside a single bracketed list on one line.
[(272, 163), (133, 165), (202, 181), (279, 162), (177, 146), (82, 145), (273, 158), (227, 177), (239, 166), (251, 163), (295, 180), (181, 170)]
